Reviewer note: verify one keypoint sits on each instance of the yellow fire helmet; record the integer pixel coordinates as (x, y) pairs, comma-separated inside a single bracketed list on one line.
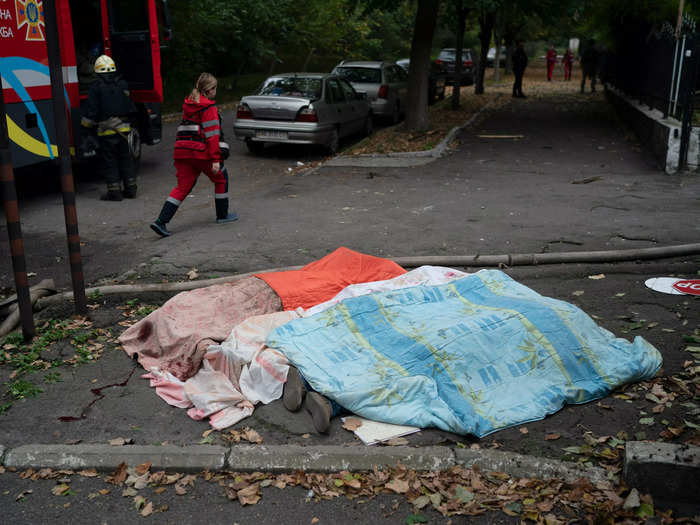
[(104, 64)]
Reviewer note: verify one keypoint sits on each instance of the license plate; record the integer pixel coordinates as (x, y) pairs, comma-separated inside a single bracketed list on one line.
[(271, 134)]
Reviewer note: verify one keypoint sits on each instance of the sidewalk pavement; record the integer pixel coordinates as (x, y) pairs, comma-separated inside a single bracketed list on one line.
[(120, 404)]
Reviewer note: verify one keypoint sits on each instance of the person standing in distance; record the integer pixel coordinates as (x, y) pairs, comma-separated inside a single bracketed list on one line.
[(519, 65), (107, 114), (551, 61), (197, 151)]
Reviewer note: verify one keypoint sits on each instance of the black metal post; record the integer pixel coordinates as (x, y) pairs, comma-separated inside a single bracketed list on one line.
[(63, 142), (688, 93), (14, 227)]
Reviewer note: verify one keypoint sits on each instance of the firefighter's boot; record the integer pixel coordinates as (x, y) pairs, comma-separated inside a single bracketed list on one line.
[(114, 193), (222, 214), (166, 213), (130, 188)]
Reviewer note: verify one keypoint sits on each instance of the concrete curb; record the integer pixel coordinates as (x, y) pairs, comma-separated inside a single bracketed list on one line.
[(518, 465), (336, 458), (403, 159), (289, 458), (663, 469), (107, 457)]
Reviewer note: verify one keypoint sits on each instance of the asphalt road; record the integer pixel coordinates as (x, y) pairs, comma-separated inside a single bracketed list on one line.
[(492, 196), (575, 181)]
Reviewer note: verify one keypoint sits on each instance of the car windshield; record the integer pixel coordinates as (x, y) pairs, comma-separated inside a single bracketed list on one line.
[(445, 54), (307, 87), (364, 75)]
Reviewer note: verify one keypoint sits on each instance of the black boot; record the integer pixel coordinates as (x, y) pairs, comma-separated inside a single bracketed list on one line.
[(222, 214), (166, 213), (130, 189)]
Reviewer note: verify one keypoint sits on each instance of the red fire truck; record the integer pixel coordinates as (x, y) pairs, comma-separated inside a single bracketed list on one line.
[(130, 31)]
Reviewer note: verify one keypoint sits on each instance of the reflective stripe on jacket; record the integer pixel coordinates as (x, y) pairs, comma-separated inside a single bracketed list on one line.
[(198, 133)]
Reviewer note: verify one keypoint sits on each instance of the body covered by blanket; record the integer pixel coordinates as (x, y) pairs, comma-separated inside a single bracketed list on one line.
[(175, 337), (473, 356), (320, 280)]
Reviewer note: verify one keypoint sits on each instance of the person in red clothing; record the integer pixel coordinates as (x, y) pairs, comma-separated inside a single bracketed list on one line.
[(568, 61), (551, 60), (198, 149)]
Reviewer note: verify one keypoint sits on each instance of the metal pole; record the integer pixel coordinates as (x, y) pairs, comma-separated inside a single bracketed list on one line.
[(680, 73), (14, 227), (60, 111), (673, 78)]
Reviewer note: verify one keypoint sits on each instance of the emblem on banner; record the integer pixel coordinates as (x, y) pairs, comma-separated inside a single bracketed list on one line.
[(30, 13)]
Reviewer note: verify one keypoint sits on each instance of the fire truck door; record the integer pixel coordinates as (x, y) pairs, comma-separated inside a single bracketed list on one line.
[(130, 30)]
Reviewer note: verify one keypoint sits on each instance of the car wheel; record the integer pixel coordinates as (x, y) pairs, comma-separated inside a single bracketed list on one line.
[(256, 148), (334, 143), (369, 125), (134, 140)]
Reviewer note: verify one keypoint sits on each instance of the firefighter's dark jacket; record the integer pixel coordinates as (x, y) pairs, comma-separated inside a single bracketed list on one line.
[(108, 105)]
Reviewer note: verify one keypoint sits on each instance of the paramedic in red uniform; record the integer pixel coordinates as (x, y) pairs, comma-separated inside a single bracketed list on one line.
[(198, 149), (551, 60), (568, 60), (107, 113)]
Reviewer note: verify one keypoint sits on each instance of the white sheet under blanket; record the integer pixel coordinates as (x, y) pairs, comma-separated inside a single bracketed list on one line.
[(423, 275), (241, 371)]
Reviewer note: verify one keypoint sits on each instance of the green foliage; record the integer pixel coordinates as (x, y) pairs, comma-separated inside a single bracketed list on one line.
[(20, 389)]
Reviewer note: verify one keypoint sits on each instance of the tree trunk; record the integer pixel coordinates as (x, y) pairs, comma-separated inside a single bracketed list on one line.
[(497, 58), (423, 30), (461, 22), (486, 22), (308, 59)]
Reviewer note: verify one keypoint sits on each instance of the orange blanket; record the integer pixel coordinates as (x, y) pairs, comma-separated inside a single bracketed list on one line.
[(321, 280)]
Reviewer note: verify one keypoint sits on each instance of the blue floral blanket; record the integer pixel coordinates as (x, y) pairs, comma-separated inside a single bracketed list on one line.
[(473, 356)]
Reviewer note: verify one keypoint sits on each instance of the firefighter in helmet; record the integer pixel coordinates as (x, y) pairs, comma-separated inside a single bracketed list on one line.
[(107, 115)]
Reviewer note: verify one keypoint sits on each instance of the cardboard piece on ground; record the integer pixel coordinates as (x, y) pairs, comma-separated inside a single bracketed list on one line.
[(372, 432), (664, 284)]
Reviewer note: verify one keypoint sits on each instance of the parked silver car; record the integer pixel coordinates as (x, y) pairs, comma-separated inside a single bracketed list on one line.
[(385, 83), (302, 108)]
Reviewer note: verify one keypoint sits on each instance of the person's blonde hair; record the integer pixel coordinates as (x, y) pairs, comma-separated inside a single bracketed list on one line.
[(205, 82)]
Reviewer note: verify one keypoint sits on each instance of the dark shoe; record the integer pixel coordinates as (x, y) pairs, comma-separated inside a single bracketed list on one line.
[(522, 96), (229, 218), (160, 229), (111, 195), (294, 391), (129, 192), (320, 410)]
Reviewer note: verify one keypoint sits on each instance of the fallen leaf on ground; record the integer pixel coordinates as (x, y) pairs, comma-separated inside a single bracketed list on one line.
[(524, 430), (60, 490), (118, 442), (22, 494), (577, 293), (147, 510), (142, 468), (597, 276), (552, 437), (400, 486), (192, 274), (352, 424), (252, 436), (249, 495), (119, 475)]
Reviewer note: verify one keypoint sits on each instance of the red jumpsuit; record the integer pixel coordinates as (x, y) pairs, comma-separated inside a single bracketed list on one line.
[(551, 60), (197, 148), (568, 60)]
